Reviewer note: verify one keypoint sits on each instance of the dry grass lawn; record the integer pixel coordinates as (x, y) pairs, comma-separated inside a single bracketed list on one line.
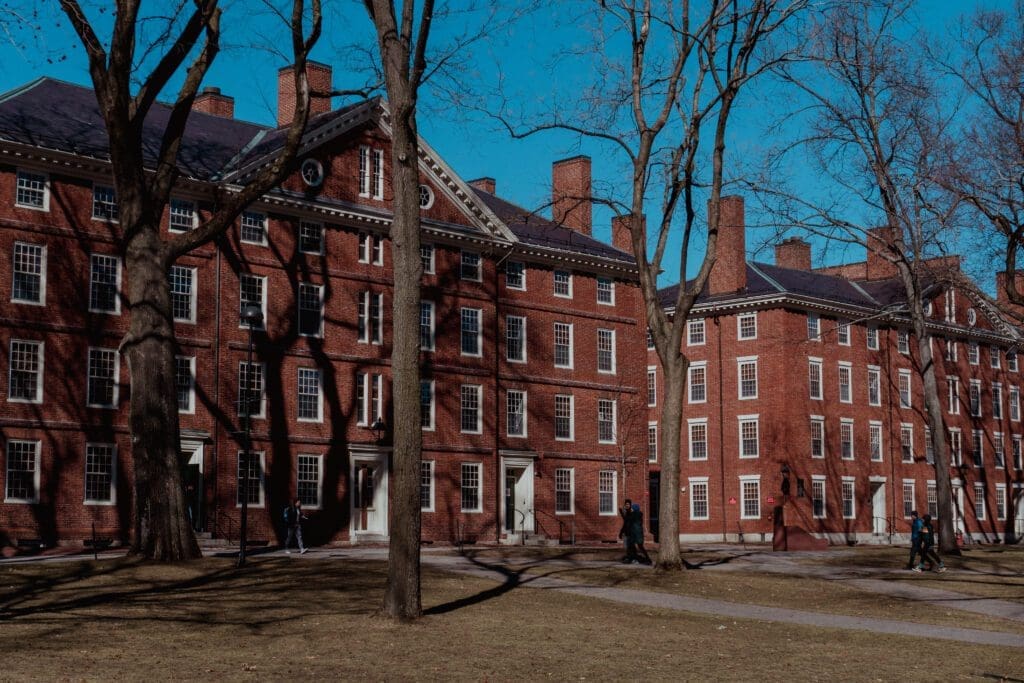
[(288, 618)]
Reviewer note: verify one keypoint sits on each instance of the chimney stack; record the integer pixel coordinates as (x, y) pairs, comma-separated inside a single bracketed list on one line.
[(881, 241), (570, 194), (211, 101), (320, 80), (730, 272), (793, 253), (622, 238), (488, 185)]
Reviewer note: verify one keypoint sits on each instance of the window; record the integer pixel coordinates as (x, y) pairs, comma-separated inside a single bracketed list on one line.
[(1017, 444), (874, 385), (907, 442), (515, 338), (605, 291), (698, 438), (875, 440), (102, 386), (564, 417), (310, 404), (978, 447), (185, 383), (845, 390), (956, 447), (994, 357), (652, 442), (181, 215), (849, 507), (369, 324), (427, 405), (563, 284), (817, 437), (515, 411), (28, 266), (974, 396), (470, 408), (471, 345), (846, 439), (378, 174), (748, 436), (908, 497), (311, 237), (33, 191), (308, 480), (997, 401), (814, 378), (104, 203), (25, 382), (252, 290), (746, 326), (371, 249), (606, 351), (950, 306), (254, 228), (564, 491), (953, 394), (369, 398), (427, 258), (470, 486), (250, 390), (364, 171), (1011, 360), (250, 478), (1001, 502), (100, 460), (311, 313), (515, 275), (872, 338), (698, 498), (650, 340), (973, 355), (426, 197), (843, 332), (606, 492), (998, 450), (750, 492), (818, 497), (813, 327), (426, 325), (22, 472), (904, 387), (747, 371), (605, 420), (929, 447), (563, 345), (950, 346), (427, 485), (979, 502), (932, 499), (1014, 404), (695, 333), (903, 342), (469, 268), (183, 300), (652, 386), (698, 383), (104, 284)]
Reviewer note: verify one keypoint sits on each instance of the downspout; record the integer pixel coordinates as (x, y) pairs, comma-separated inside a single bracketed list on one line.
[(721, 430)]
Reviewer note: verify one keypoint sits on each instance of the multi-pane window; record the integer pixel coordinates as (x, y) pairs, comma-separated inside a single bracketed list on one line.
[(813, 327), (605, 291), (469, 266), (875, 441), (849, 508), (953, 395), (100, 461), (606, 351), (311, 237), (932, 499), (563, 283), (995, 355), (747, 372), (698, 499), (1000, 501), (998, 450), (104, 283), (652, 442), (311, 313), (1017, 445), (22, 472), (908, 497), (427, 485), (307, 480), (845, 388), (750, 492), (872, 338), (564, 490), (695, 335), (371, 304), (907, 442), (979, 502), (997, 401), (746, 326), (974, 397), (378, 174), (817, 437), (369, 398), (515, 412), (252, 290), (1011, 360), (470, 486), (929, 447), (950, 306), (471, 343), (185, 383), (698, 438), (183, 300), (563, 345), (25, 382), (427, 258), (102, 385), (250, 478), (843, 332), (28, 266), (977, 447), (606, 492), (606, 420), (951, 353), (515, 338), (181, 215), (973, 354), (818, 497), (1015, 404), (956, 447), (698, 383), (364, 171), (469, 409), (814, 378), (748, 436), (652, 386), (515, 275), (427, 404), (903, 341), (846, 439), (371, 248), (310, 403), (874, 386), (563, 417), (426, 325), (250, 389), (904, 388), (32, 191), (253, 227), (104, 203)]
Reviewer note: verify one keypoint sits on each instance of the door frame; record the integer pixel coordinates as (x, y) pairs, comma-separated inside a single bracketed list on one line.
[(527, 464), (381, 458), (198, 457), (878, 502)]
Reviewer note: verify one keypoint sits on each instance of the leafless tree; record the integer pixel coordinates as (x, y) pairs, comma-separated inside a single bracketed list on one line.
[(190, 41)]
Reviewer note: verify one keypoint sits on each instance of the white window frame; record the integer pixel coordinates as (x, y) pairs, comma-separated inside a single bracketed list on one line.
[(1014, 403), (479, 467), (953, 395), (109, 202), (478, 277), (997, 401), (264, 228), (174, 208), (843, 332), (740, 362), (430, 465), (510, 283), (652, 441), (41, 275), (871, 338), (378, 173), (999, 450), (117, 284), (431, 410), (319, 458), (848, 368), (690, 424), (321, 241), (994, 355), (559, 488), (261, 458), (978, 448), (605, 284), (371, 248), (875, 382), (40, 372), (319, 394), (749, 479), (852, 482), (908, 456), (974, 398), (36, 464), (903, 341), (973, 353), (192, 298), (364, 171), (908, 403), (816, 481), (812, 364), (697, 366), (431, 339), (909, 501), (479, 390), (652, 386), (696, 329), (554, 356), (819, 421), (525, 413), (813, 327), (263, 389), (614, 420), (371, 333), (742, 420), (746, 317), (319, 310), (479, 342), (554, 286), (190, 409), (846, 425), (703, 482), (430, 261), (45, 189), (86, 500), (980, 513), (116, 379), (572, 418), (1001, 502), (609, 335), (956, 446), (242, 325), (612, 494), (875, 429)]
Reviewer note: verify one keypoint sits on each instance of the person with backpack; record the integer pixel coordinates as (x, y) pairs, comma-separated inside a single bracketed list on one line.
[(293, 523), (927, 547), (915, 538), (627, 539), (636, 535)]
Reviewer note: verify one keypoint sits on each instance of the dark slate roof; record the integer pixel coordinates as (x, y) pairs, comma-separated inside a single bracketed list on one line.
[(533, 229)]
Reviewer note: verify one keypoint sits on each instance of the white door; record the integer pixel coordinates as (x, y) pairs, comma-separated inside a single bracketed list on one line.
[(958, 509), (517, 508), (369, 496), (878, 519), (1018, 522)]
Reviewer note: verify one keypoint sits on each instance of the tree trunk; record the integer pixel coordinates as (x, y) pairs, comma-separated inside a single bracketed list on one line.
[(671, 430), (162, 528)]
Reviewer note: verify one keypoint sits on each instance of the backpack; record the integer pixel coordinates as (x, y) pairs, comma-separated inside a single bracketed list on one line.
[(289, 514)]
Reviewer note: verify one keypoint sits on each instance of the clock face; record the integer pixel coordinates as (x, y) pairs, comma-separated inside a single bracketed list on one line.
[(312, 172)]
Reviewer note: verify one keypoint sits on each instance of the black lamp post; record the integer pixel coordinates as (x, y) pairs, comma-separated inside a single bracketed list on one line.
[(252, 316), (378, 428)]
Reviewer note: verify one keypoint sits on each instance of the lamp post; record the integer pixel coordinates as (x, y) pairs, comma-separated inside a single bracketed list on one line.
[(252, 316), (378, 428)]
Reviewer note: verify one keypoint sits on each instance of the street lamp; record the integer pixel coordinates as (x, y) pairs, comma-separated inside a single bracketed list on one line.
[(378, 428), (252, 316)]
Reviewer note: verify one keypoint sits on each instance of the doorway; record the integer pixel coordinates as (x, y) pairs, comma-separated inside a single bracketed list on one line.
[(368, 491), (517, 516), (1018, 517), (879, 521), (192, 480), (653, 503)]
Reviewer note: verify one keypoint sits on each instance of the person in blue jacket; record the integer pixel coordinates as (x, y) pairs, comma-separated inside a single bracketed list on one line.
[(915, 538)]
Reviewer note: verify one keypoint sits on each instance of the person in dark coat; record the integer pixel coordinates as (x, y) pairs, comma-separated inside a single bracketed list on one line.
[(927, 547), (293, 521), (636, 535), (915, 538), (626, 512)]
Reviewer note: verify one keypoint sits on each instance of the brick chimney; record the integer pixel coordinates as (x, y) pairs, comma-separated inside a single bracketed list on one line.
[(730, 272), (570, 193), (488, 185), (621, 236), (880, 241), (320, 80), (211, 101), (793, 253)]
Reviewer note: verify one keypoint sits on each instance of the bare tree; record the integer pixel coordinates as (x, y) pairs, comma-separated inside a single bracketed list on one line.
[(191, 41)]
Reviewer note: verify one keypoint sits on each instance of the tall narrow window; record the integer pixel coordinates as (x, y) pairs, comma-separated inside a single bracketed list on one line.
[(515, 275), (814, 378), (563, 417), (28, 266), (846, 439), (979, 502), (100, 464), (998, 452), (22, 472), (427, 258), (698, 438), (872, 338), (843, 332), (875, 440), (974, 397), (973, 353), (932, 500), (749, 447), (427, 405), (953, 395), (817, 437), (515, 338), (104, 283), (310, 398), (606, 420), (750, 493), (818, 497), (371, 248), (378, 174), (874, 386), (956, 447), (427, 485), (652, 442), (845, 388), (849, 501), (563, 345), (908, 497), (364, 171), (369, 320), (698, 499), (102, 388), (907, 442), (813, 327), (997, 401), (250, 390), (1011, 360), (311, 304), (471, 331), (697, 382), (250, 478), (606, 492), (185, 383), (470, 408), (104, 203), (252, 290), (33, 191), (308, 480), (254, 228), (515, 412), (470, 487), (183, 299), (978, 447), (426, 325), (995, 356), (1001, 502), (747, 371), (25, 382), (904, 388), (1017, 444), (564, 491), (903, 341), (1014, 404), (652, 387), (606, 351)]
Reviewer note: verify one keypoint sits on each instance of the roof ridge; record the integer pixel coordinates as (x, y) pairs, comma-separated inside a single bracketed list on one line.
[(25, 87)]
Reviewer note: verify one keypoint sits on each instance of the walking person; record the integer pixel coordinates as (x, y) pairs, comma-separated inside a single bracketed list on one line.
[(915, 538), (927, 547), (293, 521), (626, 513), (636, 534)]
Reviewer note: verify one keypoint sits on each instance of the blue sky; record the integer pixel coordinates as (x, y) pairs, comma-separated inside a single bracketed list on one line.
[(473, 145)]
